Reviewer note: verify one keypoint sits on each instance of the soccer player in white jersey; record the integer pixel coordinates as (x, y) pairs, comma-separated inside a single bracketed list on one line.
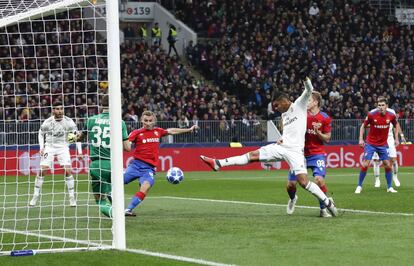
[(392, 151), (53, 135), (294, 118)]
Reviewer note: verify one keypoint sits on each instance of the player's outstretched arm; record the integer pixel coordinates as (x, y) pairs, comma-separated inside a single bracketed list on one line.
[(175, 131)]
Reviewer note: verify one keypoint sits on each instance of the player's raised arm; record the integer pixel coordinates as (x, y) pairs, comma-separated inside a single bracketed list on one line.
[(175, 131), (306, 94)]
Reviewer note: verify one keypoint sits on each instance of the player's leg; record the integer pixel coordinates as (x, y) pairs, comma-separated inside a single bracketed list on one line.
[(291, 190), (376, 167), (146, 182), (132, 172), (296, 161), (46, 160), (244, 159), (394, 164), (70, 184), (100, 171), (317, 163), (317, 192), (388, 175), (384, 157), (64, 160), (368, 153), (392, 151)]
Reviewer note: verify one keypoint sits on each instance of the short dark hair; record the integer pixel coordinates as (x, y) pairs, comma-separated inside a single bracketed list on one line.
[(105, 100), (382, 99), (56, 104), (279, 96)]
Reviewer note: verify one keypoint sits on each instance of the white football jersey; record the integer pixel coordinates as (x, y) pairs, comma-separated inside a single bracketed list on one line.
[(295, 119), (54, 133)]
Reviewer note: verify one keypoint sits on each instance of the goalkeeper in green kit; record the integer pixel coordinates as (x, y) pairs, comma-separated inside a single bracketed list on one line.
[(97, 128)]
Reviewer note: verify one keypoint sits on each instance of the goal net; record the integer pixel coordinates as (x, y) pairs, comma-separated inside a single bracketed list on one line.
[(50, 51)]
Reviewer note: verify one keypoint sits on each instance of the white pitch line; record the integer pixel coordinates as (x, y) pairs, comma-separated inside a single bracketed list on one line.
[(283, 205), (178, 258), (278, 176), (98, 246)]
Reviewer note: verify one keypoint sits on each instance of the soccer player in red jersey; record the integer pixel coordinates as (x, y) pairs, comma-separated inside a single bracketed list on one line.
[(318, 132), (379, 121), (147, 140)]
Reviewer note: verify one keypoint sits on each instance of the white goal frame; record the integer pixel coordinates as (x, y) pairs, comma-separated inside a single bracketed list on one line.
[(114, 80)]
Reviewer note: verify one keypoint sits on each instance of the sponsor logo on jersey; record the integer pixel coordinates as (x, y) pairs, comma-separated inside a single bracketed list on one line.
[(149, 140), (381, 126), (290, 121)]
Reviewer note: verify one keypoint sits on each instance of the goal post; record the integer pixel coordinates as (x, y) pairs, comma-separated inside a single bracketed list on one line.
[(57, 51)]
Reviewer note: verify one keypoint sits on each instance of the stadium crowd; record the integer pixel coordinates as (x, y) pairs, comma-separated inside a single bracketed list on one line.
[(351, 51)]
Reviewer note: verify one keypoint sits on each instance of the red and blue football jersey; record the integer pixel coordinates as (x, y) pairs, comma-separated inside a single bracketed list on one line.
[(147, 144), (313, 144), (379, 125)]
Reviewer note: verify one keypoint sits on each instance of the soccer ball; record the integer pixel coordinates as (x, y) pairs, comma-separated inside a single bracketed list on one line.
[(71, 138), (175, 175)]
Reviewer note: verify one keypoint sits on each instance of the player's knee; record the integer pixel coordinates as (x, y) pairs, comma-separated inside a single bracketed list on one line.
[(291, 185), (253, 156), (302, 180), (319, 180)]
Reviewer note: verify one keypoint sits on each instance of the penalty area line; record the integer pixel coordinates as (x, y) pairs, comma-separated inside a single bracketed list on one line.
[(284, 205), (175, 257)]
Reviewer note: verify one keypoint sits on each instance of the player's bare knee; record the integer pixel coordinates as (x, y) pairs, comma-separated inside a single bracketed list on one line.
[(319, 180), (254, 156), (302, 180), (386, 163), (291, 184)]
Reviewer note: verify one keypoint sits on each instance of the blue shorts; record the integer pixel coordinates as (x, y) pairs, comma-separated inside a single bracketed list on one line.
[(382, 152), (138, 169), (315, 162)]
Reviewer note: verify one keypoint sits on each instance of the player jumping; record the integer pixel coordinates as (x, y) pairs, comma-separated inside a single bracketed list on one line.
[(318, 132), (294, 117)]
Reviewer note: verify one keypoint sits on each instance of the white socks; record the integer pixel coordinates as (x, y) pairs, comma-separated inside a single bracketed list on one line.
[(317, 192), (395, 168), (38, 185), (70, 183), (236, 160), (376, 167)]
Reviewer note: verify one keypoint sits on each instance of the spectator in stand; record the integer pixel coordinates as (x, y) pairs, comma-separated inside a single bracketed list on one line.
[(156, 34), (172, 39)]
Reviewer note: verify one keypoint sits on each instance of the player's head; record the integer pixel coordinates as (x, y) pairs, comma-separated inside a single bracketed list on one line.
[(382, 104), (148, 120), (315, 100), (282, 101), (57, 110)]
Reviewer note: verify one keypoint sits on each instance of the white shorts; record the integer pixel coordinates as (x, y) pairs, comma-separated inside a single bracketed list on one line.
[(294, 157), (392, 153), (62, 154)]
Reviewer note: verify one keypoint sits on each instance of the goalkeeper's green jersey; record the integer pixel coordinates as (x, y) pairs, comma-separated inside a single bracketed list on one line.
[(98, 131)]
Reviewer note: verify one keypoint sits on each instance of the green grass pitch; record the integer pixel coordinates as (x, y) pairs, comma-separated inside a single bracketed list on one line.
[(240, 218)]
